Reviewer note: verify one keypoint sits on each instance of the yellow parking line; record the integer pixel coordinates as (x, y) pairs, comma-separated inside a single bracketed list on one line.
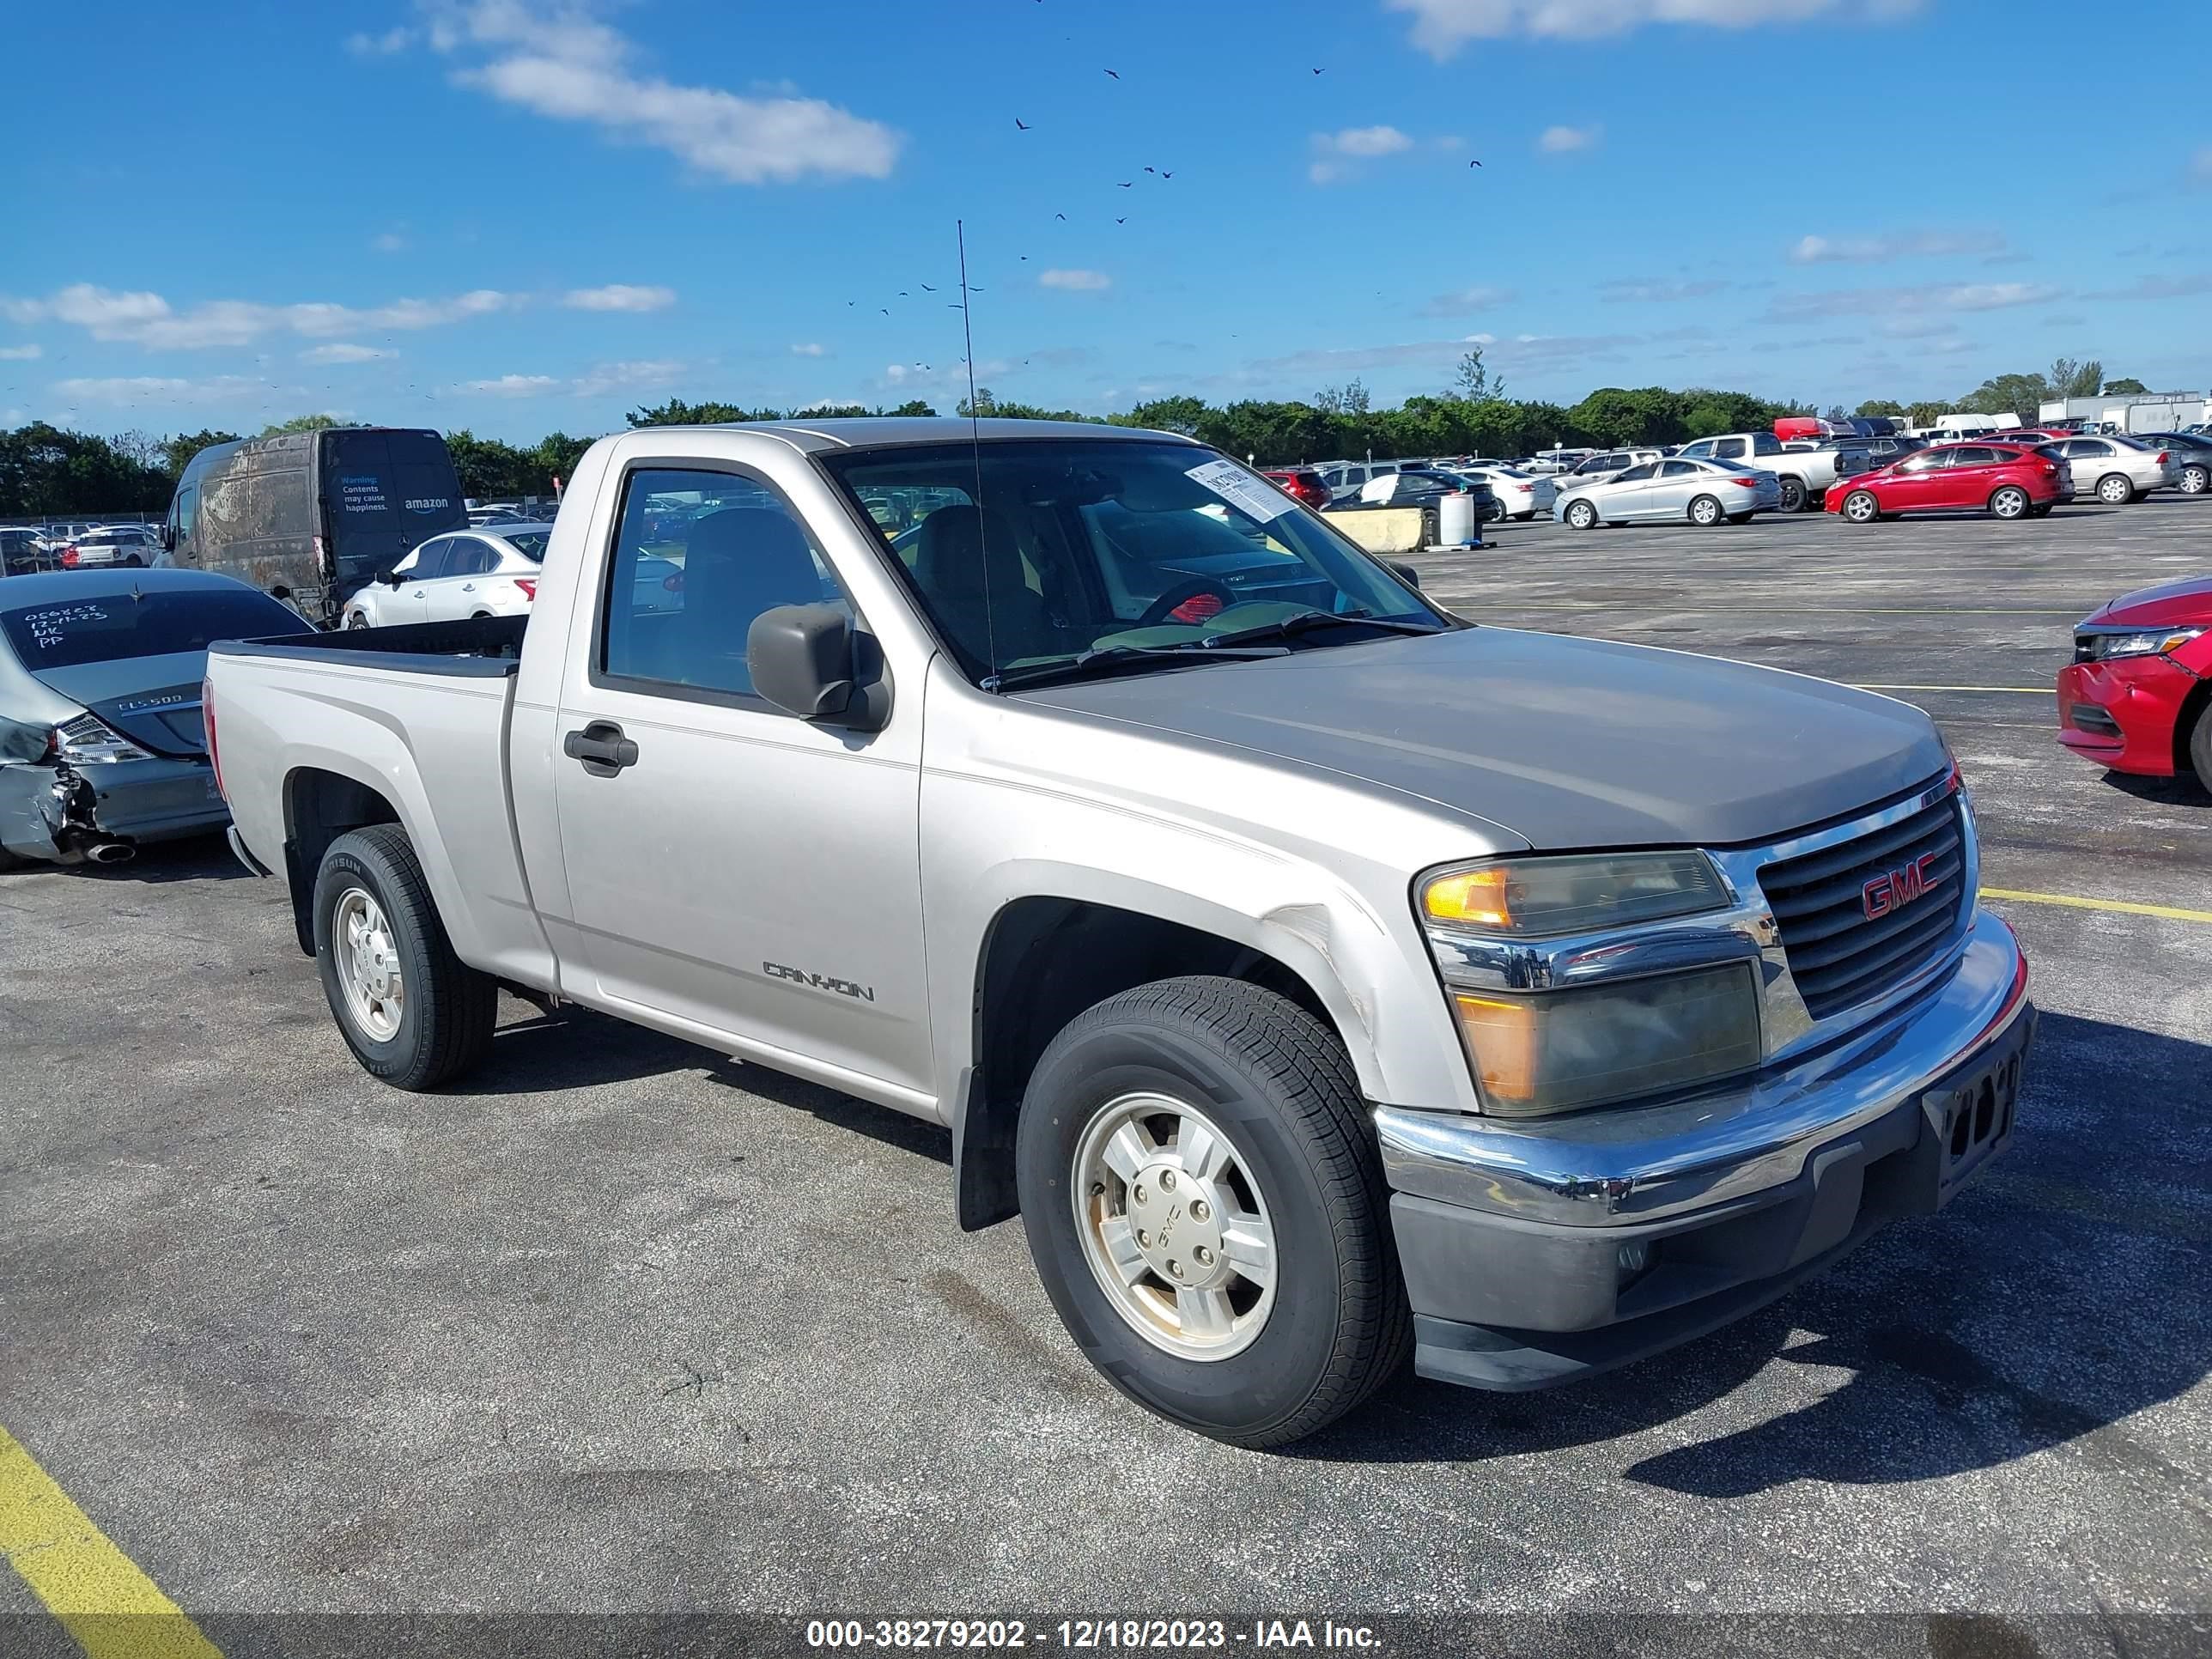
[(2016, 690), (2125, 907), (110, 1609)]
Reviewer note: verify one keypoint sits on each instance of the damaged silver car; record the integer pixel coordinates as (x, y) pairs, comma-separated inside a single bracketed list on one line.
[(101, 744)]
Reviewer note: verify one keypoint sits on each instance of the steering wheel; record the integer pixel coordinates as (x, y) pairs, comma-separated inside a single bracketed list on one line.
[(1164, 608)]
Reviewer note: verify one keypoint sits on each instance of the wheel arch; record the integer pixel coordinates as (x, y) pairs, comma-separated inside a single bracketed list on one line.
[(1046, 958), (320, 805), (2197, 706)]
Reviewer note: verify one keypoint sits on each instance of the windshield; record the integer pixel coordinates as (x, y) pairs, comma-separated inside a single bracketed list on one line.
[(1029, 552), (119, 625)]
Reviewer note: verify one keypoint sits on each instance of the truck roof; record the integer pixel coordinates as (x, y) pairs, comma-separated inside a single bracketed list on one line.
[(875, 432)]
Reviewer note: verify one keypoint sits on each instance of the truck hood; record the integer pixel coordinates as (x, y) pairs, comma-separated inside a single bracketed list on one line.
[(1569, 743), (2170, 605)]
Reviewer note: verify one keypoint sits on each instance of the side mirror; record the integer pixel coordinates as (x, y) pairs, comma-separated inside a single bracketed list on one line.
[(805, 659), (391, 578), (1405, 573)]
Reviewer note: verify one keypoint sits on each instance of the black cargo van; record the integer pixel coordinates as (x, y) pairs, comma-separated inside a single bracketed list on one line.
[(310, 517)]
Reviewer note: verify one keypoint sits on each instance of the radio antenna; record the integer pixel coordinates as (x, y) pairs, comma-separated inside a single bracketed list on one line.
[(976, 452)]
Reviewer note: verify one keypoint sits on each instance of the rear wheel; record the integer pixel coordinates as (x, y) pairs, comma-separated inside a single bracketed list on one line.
[(2195, 480), (2200, 746), (356, 619), (1793, 495), (2010, 502), (1582, 515), (1861, 508), (2114, 489), (1705, 512), (1205, 1202), (414, 1013)]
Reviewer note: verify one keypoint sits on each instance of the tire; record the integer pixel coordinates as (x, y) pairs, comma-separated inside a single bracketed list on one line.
[(2114, 489), (1739, 518), (1860, 506), (2011, 502), (1793, 494), (356, 619), (1185, 1062), (434, 1020), (1705, 512), (1580, 515), (2196, 480), (2200, 746), (134, 562)]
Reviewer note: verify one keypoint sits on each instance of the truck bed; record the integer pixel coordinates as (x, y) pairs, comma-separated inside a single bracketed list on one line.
[(481, 647)]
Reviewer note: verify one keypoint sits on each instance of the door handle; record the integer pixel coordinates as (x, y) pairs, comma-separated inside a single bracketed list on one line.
[(468, 587), (601, 747)]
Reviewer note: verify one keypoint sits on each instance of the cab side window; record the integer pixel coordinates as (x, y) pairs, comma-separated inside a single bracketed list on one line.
[(697, 557)]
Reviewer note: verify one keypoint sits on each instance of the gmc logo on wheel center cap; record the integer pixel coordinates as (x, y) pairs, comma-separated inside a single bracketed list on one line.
[(1898, 888)]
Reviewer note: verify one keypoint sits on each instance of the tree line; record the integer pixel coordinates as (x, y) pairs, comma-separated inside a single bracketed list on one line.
[(45, 471)]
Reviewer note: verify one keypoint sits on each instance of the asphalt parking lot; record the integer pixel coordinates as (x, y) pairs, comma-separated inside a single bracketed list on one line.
[(624, 1327)]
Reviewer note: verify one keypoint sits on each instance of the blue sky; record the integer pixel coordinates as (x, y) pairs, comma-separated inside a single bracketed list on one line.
[(517, 216)]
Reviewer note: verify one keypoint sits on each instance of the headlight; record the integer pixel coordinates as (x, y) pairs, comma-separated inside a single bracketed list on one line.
[(1537, 895), (86, 739), (1558, 1051), (2156, 642)]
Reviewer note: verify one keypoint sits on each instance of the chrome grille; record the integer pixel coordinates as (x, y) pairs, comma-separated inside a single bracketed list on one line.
[(1839, 954)]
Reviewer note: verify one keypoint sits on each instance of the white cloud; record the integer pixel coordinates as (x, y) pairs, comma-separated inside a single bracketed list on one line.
[(380, 46), (619, 296), (343, 352), (148, 319), (567, 65), (1441, 28), (1335, 153), (389, 241), (127, 389), (594, 382), (21, 353), (1460, 301), (1922, 297), (1566, 140), (809, 349), (1076, 282), (1893, 245)]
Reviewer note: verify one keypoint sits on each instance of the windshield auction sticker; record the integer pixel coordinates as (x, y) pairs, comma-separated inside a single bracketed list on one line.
[(1247, 493)]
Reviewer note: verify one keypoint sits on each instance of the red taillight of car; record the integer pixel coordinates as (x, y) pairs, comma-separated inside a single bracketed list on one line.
[(207, 719), (528, 587), (2161, 458), (69, 556), (1745, 483)]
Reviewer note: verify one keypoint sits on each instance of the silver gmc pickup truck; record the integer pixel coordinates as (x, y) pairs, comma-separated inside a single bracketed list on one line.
[(1318, 976)]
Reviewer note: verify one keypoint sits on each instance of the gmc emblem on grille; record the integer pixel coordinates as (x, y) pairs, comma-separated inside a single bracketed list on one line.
[(1899, 888)]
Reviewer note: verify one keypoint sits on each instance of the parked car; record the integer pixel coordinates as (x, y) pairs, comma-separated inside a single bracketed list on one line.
[(310, 517), (2116, 469), (2192, 458), (1550, 462), (1604, 465), (21, 551), (985, 838), (101, 748), (2137, 698), (2013, 483), (1346, 478), (1803, 469), (1520, 495), (1426, 486), (133, 544), (1301, 483), (482, 573), (1670, 491)]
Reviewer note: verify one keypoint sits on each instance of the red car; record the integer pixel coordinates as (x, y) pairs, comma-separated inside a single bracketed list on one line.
[(2013, 483), (2137, 698), (1301, 483)]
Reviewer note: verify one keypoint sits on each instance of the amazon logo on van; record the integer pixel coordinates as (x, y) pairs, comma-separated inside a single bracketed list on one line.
[(428, 503)]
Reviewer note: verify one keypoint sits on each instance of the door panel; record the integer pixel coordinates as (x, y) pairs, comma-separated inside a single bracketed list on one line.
[(730, 865)]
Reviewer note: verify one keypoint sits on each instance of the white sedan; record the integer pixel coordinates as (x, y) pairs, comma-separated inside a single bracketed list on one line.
[(475, 573), (1521, 494)]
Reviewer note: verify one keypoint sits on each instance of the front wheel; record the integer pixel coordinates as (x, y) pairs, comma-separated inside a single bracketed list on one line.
[(1205, 1203), (1705, 512), (2115, 490), (1861, 508), (1582, 515), (2200, 746), (356, 619), (414, 1013), (1793, 495), (2010, 502)]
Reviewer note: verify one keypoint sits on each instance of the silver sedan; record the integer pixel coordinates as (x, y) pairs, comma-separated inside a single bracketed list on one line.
[(1671, 491), (2116, 469)]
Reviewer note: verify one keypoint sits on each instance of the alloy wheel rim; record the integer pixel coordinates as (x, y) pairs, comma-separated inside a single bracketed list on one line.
[(1174, 1227), (368, 965), (1860, 508)]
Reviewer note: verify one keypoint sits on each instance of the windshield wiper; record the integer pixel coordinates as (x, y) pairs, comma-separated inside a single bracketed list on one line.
[(1114, 658), (1306, 621)]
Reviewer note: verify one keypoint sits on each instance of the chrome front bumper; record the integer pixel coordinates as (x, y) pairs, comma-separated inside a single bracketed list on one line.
[(1628, 1166)]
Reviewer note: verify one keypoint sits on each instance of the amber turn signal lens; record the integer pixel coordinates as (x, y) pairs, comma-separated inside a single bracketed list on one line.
[(1474, 898)]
